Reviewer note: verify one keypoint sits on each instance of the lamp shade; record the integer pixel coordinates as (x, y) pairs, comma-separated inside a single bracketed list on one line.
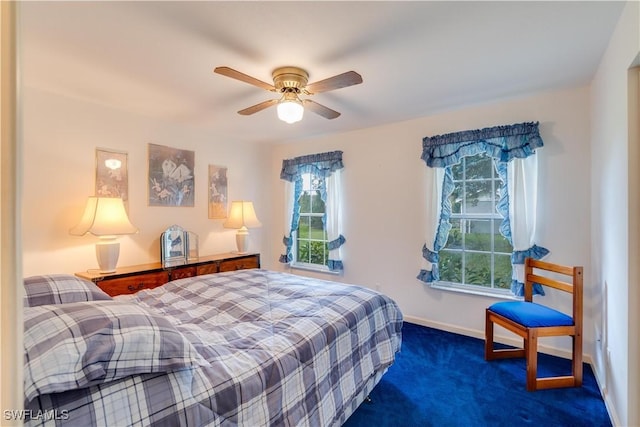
[(241, 215), (290, 110), (104, 216)]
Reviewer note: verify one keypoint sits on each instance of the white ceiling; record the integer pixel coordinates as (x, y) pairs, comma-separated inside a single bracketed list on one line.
[(416, 58)]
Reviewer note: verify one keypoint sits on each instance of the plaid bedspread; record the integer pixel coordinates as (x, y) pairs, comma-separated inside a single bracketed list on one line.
[(283, 350)]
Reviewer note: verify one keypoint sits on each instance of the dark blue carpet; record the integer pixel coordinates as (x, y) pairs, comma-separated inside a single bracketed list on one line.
[(441, 379)]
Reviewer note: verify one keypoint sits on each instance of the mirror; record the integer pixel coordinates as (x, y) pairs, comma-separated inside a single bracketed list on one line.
[(178, 246), (192, 246)]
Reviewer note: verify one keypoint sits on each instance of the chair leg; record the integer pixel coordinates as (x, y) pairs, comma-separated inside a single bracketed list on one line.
[(488, 337), (531, 351), (577, 360)]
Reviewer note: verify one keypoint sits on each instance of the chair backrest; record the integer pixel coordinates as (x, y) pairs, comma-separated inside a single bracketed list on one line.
[(574, 287)]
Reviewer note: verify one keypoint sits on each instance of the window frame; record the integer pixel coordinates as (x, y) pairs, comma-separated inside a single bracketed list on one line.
[(295, 262), (466, 217)]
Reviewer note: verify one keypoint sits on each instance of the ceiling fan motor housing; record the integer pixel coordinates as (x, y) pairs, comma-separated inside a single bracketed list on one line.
[(287, 78)]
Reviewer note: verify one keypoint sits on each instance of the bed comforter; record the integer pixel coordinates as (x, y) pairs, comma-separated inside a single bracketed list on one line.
[(279, 350)]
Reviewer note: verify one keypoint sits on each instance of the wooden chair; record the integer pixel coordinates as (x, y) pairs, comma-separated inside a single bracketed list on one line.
[(531, 321)]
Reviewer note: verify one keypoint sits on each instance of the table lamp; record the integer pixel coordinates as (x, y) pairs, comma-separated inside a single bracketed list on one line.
[(106, 218), (242, 216)]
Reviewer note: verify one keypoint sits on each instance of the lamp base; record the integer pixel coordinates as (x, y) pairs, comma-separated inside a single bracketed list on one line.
[(242, 240), (107, 252)]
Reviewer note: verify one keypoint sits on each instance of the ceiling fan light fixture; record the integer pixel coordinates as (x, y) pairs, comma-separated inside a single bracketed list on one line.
[(290, 110)]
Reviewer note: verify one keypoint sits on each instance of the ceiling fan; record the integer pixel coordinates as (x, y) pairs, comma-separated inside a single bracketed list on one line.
[(291, 82)]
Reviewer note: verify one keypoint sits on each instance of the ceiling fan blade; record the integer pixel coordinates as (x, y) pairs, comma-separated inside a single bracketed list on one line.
[(258, 107), (349, 78), (320, 109), (230, 72)]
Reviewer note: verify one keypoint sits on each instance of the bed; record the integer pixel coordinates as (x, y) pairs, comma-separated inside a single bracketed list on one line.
[(245, 348)]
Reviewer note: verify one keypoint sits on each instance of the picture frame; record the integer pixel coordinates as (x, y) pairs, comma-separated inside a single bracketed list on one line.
[(112, 175), (171, 176), (217, 190)]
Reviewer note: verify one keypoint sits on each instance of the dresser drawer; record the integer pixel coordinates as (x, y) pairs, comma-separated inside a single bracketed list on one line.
[(182, 272), (240, 264), (207, 268), (133, 284), (131, 279)]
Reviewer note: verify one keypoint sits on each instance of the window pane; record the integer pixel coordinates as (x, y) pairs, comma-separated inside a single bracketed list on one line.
[(317, 205), (303, 227), (455, 235), (479, 166), (450, 266), (305, 202), (478, 269), (456, 199), (457, 170), (318, 253), (501, 244), (315, 182), (502, 271), (303, 251), (479, 196), (316, 231), (478, 237)]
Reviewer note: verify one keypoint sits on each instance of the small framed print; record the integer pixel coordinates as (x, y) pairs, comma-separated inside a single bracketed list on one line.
[(171, 177), (217, 192), (112, 179)]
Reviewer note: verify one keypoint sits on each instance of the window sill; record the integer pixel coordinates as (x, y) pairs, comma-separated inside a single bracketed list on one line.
[(314, 268), (493, 293)]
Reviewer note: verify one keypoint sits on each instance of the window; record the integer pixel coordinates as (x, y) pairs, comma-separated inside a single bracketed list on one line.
[(311, 247), (313, 223), (475, 254), (481, 216)]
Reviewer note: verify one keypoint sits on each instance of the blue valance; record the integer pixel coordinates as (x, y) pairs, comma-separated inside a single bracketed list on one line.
[(322, 164), (502, 143)]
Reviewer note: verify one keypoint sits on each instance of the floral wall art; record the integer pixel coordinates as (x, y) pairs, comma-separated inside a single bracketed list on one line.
[(171, 178), (111, 174), (217, 192)]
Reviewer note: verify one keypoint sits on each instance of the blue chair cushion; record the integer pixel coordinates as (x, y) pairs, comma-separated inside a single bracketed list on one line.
[(530, 314)]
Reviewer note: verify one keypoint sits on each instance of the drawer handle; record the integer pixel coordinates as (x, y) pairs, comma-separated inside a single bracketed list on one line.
[(135, 288)]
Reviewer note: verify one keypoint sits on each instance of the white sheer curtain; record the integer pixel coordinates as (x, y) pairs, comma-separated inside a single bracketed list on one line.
[(522, 187), (289, 202), (435, 179), (333, 211)]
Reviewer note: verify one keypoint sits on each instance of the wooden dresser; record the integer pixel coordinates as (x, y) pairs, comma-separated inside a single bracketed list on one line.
[(129, 280)]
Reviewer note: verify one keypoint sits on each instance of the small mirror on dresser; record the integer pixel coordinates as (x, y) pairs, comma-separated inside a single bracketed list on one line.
[(178, 246), (192, 246)]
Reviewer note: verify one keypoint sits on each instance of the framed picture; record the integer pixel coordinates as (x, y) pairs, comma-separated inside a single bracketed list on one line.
[(217, 192), (171, 178), (112, 178)]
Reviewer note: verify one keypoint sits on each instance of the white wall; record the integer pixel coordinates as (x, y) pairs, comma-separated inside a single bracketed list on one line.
[(384, 205), (615, 268), (60, 138)]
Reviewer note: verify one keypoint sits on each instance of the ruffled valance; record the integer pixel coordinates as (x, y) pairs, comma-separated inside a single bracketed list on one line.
[(502, 143), (322, 164)]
